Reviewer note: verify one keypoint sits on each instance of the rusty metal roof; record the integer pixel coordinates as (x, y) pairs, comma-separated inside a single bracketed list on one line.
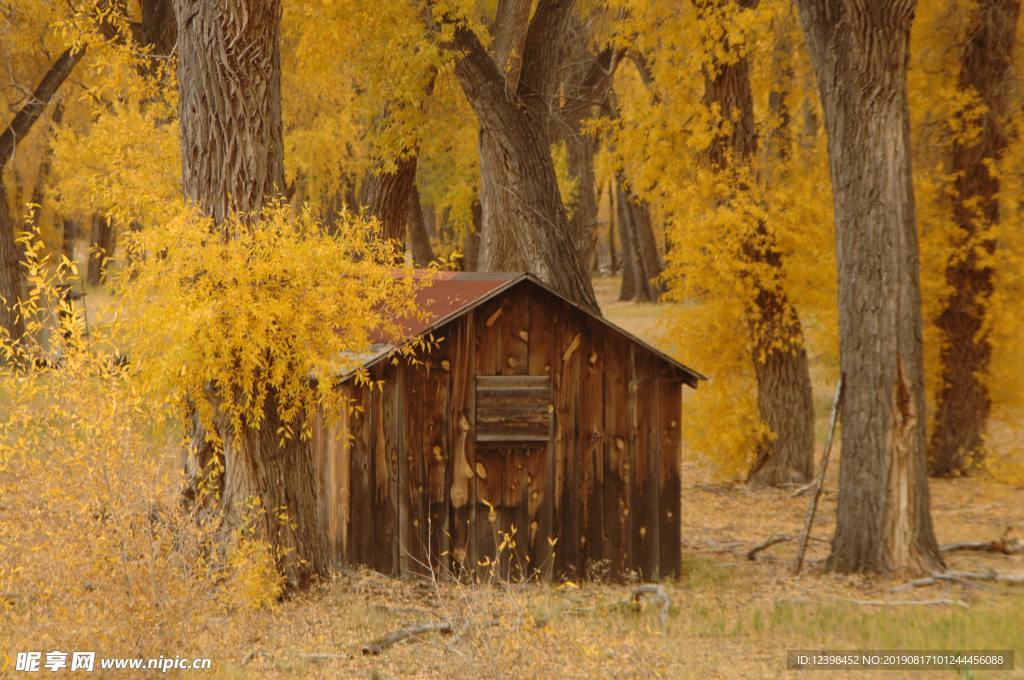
[(452, 294)]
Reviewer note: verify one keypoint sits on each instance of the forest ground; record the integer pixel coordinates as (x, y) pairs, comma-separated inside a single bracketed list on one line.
[(729, 616)]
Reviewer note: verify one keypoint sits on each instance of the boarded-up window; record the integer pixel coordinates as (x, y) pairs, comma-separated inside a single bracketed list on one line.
[(513, 408)]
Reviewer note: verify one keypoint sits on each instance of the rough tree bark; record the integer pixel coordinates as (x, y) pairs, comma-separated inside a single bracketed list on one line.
[(418, 236), (860, 53), (784, 399), (524, 219), (496, 243), (641, 263), (17, 129), (386, 197), (957, 443), (229, 70)]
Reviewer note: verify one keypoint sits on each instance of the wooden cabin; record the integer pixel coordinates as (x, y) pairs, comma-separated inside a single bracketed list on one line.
[(534, 440)]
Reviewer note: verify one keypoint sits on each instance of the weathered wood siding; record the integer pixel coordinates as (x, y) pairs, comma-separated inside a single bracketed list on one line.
[(587, 486)]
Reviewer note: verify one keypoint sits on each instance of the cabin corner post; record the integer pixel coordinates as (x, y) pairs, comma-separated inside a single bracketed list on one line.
[(670, 428)]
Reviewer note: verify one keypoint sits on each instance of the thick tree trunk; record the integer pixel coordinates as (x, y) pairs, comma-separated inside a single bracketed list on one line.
[(524, 220), (495, 242), (957, 443), (386, 197), (784, 398), (860, 54), (419, 237), (229, 80), (101, 247)]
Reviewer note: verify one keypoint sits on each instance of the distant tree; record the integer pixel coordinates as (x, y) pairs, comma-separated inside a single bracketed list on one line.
[(957, 442), (784, 397), (860, 53)]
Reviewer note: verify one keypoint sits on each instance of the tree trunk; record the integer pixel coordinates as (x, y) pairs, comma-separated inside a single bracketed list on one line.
[(69, 233), (641, 263), (419, 237), (957, 443), (860, 54), (613, 254), (386, 196), (630, 256), (19, 127), (11, 322), (524, 220), (471, 241), (784, 398), (229, 80), (101, 247)]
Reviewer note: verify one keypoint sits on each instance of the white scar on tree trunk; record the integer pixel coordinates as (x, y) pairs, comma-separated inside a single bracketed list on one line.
[(901, 444)]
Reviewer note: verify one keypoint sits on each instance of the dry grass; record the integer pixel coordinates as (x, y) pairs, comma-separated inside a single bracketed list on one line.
[(730, 617)]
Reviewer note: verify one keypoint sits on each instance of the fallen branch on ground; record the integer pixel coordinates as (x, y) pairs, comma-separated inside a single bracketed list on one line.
[(377, 646), (1011, 579), (1005, 547), (898, 603), (930, 581), (764, 545), (658, 592), (801, 490)]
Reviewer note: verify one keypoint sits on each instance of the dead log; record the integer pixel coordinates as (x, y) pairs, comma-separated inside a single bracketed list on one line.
[(1002, 546), (899, 603), (1015, 579), (375, 647), (764, 545)]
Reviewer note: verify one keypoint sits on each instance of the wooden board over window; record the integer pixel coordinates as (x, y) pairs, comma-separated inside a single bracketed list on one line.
[(513, 408)]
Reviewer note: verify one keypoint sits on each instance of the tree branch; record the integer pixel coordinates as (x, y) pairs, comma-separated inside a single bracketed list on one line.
[(41, 97), (594, 87), (542, 52)]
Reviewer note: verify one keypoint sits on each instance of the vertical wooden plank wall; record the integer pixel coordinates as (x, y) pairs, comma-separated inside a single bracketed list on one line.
[(617, 448), (437, 456), (669, 414), (514, 510), (412, 474), (541, 465), (490, 458), (591, 434), (567, 481), (404, 491), (462, 490), (358, 550)]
